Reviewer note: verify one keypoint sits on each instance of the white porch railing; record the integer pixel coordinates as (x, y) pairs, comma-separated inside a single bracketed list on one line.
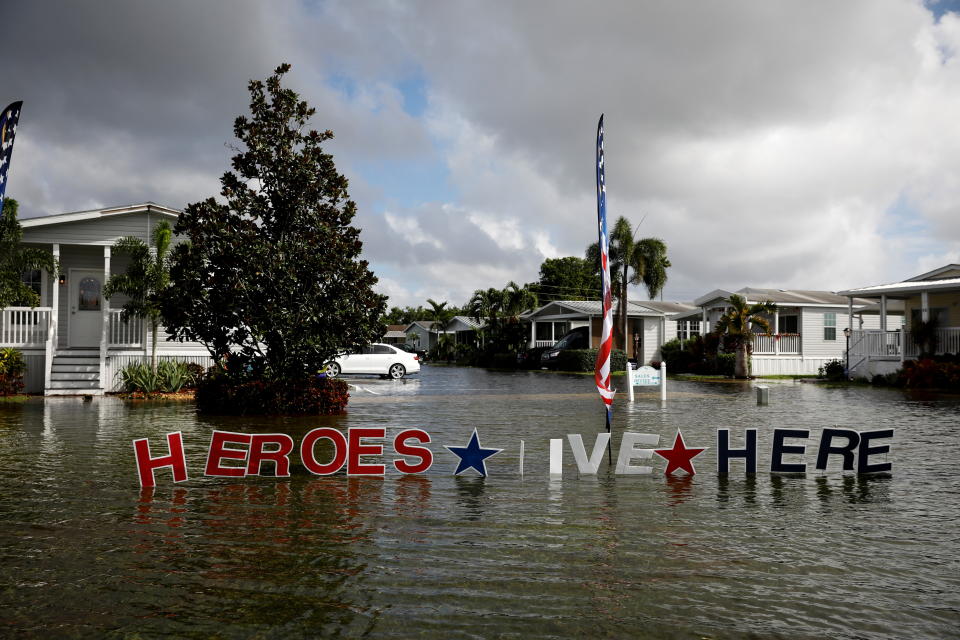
[(122, 333), (784, 343), (875, 343), (543, 343), (948, 341), (24, 327)]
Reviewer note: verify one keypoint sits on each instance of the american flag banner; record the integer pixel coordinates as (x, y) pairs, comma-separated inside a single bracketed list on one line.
[(602, 369), (8, 129)]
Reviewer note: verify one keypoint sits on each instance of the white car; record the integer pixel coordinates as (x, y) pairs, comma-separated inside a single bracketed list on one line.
[(381, 359)]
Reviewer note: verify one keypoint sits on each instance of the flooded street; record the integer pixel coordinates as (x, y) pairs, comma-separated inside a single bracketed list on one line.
[(87, 553)]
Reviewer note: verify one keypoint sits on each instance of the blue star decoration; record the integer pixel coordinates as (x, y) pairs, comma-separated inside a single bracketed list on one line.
[(472, 455)]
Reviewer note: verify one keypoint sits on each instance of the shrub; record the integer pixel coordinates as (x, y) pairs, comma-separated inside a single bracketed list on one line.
[(222, 394), (12, 368), (503, 361), (725, 364), (586, 360), (171, 376), (833, 370), (929, 373)]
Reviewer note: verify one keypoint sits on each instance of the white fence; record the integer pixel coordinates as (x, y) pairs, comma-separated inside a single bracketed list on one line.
[(783, 343), (895, 344), (24, 327), (127, 333)]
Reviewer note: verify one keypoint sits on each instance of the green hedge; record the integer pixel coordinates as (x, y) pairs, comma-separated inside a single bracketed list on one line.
[(220, 394), (586, 360), (12, 368)]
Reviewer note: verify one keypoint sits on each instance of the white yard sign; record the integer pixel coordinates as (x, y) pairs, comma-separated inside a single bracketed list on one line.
[(645, 377)]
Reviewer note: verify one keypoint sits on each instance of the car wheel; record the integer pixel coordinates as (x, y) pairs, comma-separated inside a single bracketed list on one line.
[(332, 370), (397, 371)]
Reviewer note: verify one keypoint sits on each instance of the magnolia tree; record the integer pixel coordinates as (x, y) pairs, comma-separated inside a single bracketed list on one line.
[(272, 275)]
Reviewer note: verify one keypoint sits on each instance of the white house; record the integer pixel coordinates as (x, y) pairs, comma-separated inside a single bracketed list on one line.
[(807, 326), (649, 324), (929, 297), (75, 342)]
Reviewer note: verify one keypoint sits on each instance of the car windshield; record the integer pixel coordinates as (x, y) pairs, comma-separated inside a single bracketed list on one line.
[(571, 340)]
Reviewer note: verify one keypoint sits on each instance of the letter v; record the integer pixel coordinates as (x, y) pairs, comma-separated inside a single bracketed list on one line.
[(580, 454)]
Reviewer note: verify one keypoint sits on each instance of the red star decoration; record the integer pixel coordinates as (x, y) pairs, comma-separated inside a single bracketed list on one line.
[(679, 457)]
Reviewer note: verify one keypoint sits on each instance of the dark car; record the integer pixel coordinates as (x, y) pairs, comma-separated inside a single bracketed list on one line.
[(409, 349), (578, 338)]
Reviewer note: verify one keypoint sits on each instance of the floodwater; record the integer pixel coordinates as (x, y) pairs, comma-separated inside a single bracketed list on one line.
[(85, 552)]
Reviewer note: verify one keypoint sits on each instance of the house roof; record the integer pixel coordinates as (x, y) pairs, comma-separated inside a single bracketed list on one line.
[(781, 297), (930, 281), (395, 331), (573, 308), (94, 214), (426, 325), (473, 323)]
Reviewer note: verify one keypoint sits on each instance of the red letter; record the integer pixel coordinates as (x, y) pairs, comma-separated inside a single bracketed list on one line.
[(357, 448), (218, 452), (339, 451), (425, 455), (146, 465), (279, 456)]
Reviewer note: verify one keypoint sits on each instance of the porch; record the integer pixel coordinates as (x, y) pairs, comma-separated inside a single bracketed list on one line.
[(898, 345), (61, 369), (777, 344)]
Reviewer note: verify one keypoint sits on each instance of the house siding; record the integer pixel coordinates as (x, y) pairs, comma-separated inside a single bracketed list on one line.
[(99, 231)]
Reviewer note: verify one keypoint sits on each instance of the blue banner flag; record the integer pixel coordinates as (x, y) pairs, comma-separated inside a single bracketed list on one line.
[(8, 130)]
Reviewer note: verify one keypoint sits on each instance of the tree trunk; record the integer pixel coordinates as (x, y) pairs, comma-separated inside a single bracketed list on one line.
[(153, 350), (740, 369)]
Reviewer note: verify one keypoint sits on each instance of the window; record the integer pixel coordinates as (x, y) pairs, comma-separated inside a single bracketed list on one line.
[(544, 331), (790, 324), (830, 326), (939, 315), (32, 279), (383, 349), (89, 294)]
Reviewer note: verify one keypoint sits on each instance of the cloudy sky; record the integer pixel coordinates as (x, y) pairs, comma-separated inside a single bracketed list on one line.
[(783, 144)]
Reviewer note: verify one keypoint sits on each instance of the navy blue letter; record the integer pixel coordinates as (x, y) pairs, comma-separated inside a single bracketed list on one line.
[(777, 465)]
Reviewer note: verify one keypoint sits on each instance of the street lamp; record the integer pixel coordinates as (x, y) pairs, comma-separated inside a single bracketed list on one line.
[(846, 334)]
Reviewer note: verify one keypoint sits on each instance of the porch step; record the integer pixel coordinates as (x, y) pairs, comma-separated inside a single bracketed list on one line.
[(73, 392), (78, 368), (75, 375), (75, 372), (79, 385)]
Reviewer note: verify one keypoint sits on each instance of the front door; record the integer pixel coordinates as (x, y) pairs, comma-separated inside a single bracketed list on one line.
[(86, 312)]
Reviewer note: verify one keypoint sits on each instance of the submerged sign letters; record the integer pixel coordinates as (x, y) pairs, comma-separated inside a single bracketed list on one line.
[(365, 451)]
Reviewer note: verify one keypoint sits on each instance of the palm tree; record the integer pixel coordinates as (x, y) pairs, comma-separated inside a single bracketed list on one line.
[(146, 277), (516, 300), (635, 262), (441, 317), (737, 323), (15, 259)]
